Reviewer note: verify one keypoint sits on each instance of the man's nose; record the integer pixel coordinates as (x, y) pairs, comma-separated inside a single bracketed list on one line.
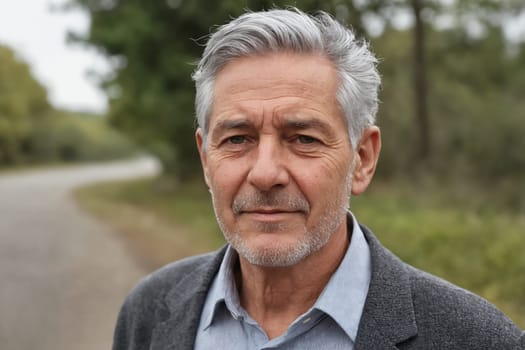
[(269, 168)]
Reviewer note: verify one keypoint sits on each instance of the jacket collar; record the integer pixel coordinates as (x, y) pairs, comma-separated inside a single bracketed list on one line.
[(388, 317), (185, 307)]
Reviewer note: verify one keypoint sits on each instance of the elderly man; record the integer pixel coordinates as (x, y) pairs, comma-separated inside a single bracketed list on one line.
[(286, 104)]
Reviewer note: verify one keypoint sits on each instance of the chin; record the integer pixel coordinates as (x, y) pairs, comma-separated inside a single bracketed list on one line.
[(275, 253)]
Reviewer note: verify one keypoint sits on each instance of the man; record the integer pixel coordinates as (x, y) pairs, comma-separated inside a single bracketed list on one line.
[(286, 104)]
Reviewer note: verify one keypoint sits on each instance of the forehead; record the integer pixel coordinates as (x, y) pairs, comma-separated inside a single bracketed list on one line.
[(276, 83)]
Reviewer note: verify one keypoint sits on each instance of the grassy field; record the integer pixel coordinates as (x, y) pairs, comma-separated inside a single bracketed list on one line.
[(450, 232)]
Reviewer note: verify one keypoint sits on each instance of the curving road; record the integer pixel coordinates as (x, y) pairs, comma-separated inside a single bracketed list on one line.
[(63, 275)]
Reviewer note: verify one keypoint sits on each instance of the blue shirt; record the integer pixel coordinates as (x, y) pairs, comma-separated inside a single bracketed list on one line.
[(331, 323)]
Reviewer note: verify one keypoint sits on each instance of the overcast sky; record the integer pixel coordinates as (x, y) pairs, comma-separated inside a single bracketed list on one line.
[(38, 36)]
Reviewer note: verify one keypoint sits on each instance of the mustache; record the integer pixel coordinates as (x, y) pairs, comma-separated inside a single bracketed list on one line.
[(275, 199)]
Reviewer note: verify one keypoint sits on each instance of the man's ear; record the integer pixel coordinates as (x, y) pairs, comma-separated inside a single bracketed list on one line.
[(199, 138), (367, 155)]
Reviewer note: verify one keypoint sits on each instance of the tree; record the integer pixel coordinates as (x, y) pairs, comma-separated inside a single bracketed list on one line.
[(427, 14), (22, 100)]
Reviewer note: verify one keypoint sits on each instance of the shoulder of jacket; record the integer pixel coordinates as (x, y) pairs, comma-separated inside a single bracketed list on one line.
[(457, 313), (148, 304), (196, 269)]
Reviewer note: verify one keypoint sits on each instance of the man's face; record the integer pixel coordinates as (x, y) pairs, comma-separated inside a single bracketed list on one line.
[(277, 157)]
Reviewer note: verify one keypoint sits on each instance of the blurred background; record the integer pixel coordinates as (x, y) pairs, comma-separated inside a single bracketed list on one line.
[(95, 80)]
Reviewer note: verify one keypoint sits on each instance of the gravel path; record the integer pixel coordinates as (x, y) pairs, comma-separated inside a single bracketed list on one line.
[(63, 275)]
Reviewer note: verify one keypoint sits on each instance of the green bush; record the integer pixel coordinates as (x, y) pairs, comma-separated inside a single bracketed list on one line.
[(68, 137)]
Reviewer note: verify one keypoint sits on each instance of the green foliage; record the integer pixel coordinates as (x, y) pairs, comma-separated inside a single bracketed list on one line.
[(22, 101), (476, 104), (476, 93), (69, 137), (31, 131)]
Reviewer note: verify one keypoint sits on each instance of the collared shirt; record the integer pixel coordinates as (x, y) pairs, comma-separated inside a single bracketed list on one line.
[(331, 323)]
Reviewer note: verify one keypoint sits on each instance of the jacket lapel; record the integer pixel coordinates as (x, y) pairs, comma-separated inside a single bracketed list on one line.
[(388, 316), (185, 303)]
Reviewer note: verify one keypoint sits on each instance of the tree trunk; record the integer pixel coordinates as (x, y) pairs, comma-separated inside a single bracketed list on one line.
[(420, 85)]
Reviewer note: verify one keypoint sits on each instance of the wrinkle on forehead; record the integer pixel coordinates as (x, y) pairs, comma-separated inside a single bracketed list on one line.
[(266, 89), (261, 72), (276, 85), (248, 96)]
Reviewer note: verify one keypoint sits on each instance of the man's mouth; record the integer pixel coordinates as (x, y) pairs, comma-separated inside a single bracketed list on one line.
[(282, 204), (270, 214), (269, 211)]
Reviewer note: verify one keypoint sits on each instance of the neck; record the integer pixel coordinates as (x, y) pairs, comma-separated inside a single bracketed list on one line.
[(276, 296)]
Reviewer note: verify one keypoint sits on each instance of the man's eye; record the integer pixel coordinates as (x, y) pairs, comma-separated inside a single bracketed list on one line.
[(237, 139), (304, 139)]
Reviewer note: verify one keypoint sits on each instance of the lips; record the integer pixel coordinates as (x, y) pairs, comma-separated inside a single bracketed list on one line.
[(270, 204), (269, 211), (269, 215)]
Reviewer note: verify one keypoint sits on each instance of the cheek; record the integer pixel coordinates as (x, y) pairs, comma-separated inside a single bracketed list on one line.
[(325, 173), (225, 179), (322, 180), (312, 182)]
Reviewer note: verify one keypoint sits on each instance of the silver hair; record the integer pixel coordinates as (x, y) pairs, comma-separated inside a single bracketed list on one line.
[(291, 30)]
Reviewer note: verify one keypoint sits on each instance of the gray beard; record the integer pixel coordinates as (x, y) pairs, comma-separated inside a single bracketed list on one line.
[(311, 240)]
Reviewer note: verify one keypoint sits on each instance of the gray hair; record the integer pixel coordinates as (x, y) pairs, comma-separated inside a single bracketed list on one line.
[(291, 30)]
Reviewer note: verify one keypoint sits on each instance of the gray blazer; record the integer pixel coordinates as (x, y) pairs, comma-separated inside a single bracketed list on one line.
[(405, 309)]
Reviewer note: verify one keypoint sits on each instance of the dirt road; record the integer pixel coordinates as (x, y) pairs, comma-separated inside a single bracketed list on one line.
[(63, 275)]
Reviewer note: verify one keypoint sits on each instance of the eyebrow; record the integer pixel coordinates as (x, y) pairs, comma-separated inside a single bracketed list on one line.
[(289, 123), (312, 123), (224, 125)]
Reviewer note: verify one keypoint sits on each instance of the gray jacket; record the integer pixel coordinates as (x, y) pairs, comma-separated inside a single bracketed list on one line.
[(405, 309)]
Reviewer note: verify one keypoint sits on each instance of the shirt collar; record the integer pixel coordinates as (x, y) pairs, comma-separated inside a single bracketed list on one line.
[(343, 298), (223, 289), (345, 294)]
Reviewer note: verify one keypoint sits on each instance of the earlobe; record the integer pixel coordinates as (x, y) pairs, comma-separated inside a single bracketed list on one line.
[(199, 139), (367, 155)]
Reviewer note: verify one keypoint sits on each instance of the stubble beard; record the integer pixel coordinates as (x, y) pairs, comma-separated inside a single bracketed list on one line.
[(311, 240)]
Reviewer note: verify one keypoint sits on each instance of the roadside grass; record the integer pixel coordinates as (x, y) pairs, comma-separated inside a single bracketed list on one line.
[(450, 232), (158, 223), (459, 237)]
